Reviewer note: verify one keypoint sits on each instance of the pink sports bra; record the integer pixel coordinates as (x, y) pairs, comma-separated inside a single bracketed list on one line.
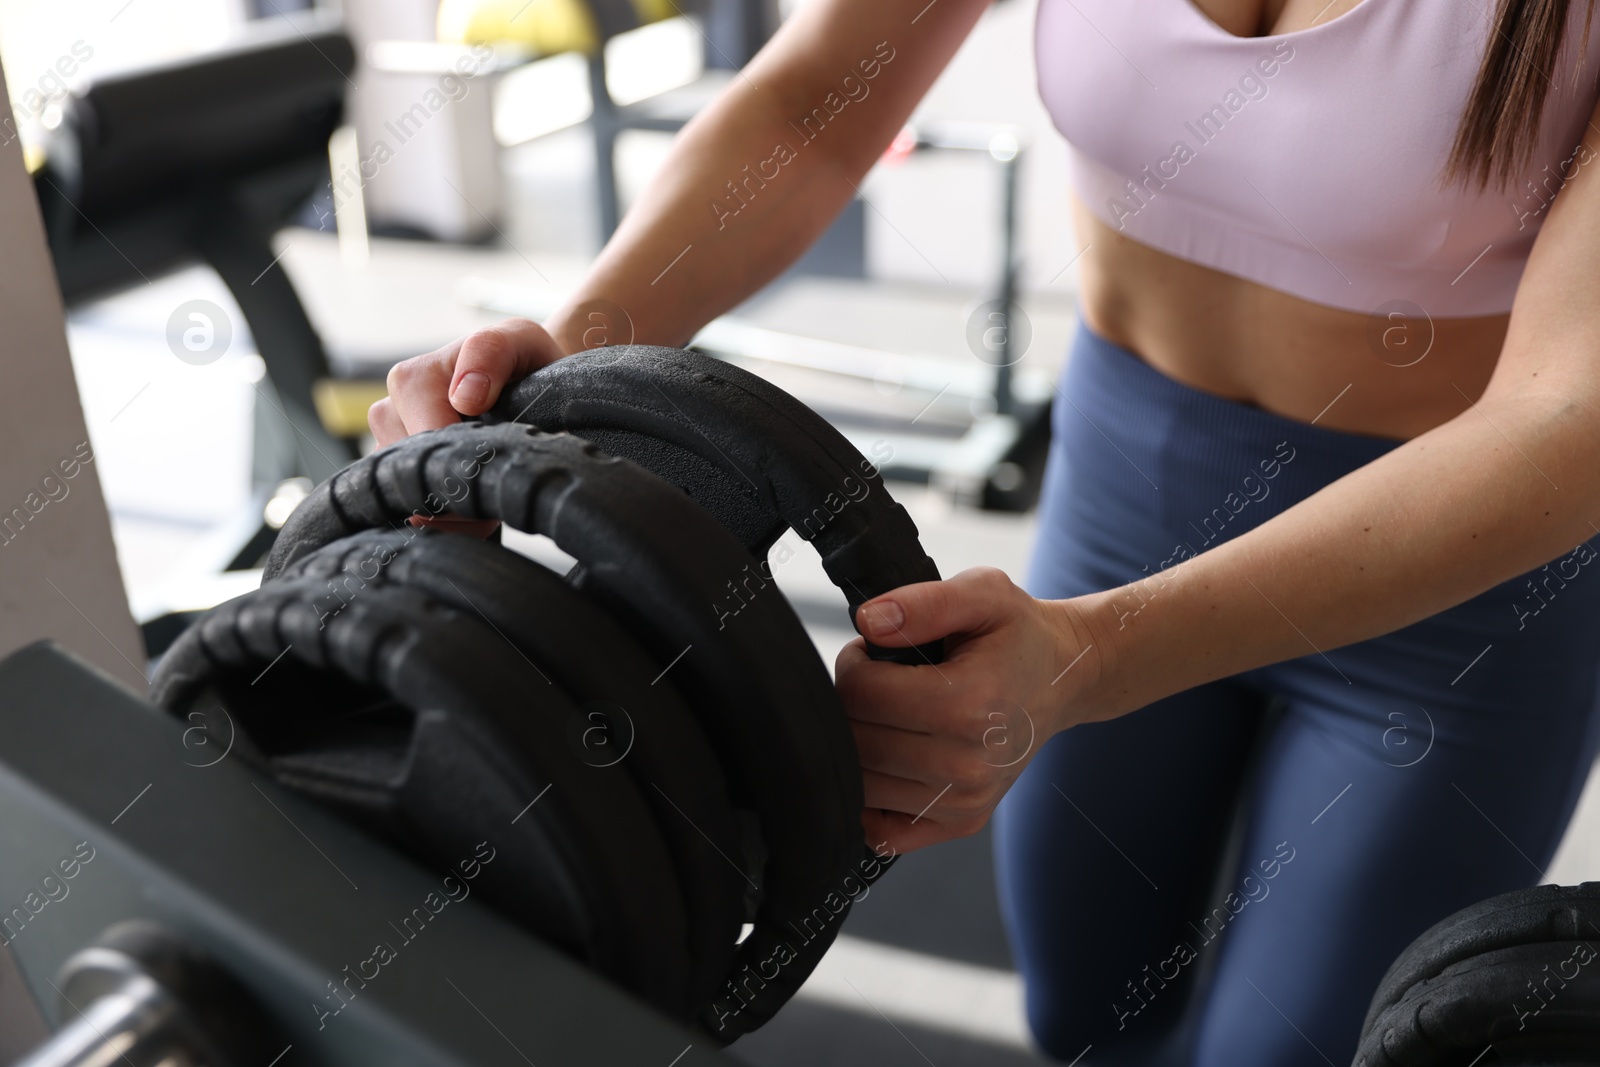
[(1309, 161)]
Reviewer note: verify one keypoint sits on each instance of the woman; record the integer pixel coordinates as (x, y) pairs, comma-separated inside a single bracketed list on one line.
[(1309, 587)]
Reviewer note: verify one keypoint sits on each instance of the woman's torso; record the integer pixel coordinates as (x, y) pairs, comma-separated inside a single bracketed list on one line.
[(1386, 344)]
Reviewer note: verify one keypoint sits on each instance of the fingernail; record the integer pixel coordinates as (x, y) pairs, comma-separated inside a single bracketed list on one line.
[(471, 391), (883, 617)]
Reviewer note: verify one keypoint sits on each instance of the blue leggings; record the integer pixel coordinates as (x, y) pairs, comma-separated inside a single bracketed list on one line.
[(1223, 877)]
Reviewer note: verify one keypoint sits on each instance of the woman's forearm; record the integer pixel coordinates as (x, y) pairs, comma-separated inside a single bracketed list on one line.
[(1504, 487), (673, 264), (760, 174)]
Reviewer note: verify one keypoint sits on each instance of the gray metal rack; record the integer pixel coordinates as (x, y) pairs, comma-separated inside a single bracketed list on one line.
[(169, 826)]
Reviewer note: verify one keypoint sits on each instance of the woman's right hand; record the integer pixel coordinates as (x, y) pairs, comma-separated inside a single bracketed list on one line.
[(462, 379)]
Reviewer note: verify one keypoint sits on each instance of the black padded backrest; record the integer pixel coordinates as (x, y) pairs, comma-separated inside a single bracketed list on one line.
[(274, 95)]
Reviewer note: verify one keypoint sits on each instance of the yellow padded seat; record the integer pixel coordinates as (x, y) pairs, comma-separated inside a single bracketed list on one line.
[(547, 27)]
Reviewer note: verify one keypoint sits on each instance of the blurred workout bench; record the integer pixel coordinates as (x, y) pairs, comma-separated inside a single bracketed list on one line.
[(203, 160)]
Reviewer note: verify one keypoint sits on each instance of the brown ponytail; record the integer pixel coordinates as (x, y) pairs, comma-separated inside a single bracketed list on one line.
[(1500, 128)]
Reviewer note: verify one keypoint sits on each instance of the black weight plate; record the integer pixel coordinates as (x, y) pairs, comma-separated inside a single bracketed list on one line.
[(578, 857), (1522, 916), (597, 663), (1526, 1001), (755, 457), (660, 564)]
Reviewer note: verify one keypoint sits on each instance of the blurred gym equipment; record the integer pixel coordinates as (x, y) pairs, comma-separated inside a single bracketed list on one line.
[(734, 31), (204, 160)]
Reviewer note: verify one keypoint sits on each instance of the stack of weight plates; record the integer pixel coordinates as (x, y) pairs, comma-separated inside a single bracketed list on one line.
[(649, 742)]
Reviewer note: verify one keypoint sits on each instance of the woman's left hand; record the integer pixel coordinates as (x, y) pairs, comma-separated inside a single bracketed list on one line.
[(941, 743)]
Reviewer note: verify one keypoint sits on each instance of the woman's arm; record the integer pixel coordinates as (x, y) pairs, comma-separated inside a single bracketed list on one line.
[(758, 176), (1510, 483), (748, 186)]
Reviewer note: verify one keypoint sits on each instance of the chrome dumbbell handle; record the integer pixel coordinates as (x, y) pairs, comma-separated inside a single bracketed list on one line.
[(139, 997), (131, 1020)]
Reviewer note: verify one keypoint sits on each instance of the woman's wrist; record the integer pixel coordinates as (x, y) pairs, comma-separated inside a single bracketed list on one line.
[(1104, 673), (1084, 663), (1164, 634), (580, 325), (588, 319)]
